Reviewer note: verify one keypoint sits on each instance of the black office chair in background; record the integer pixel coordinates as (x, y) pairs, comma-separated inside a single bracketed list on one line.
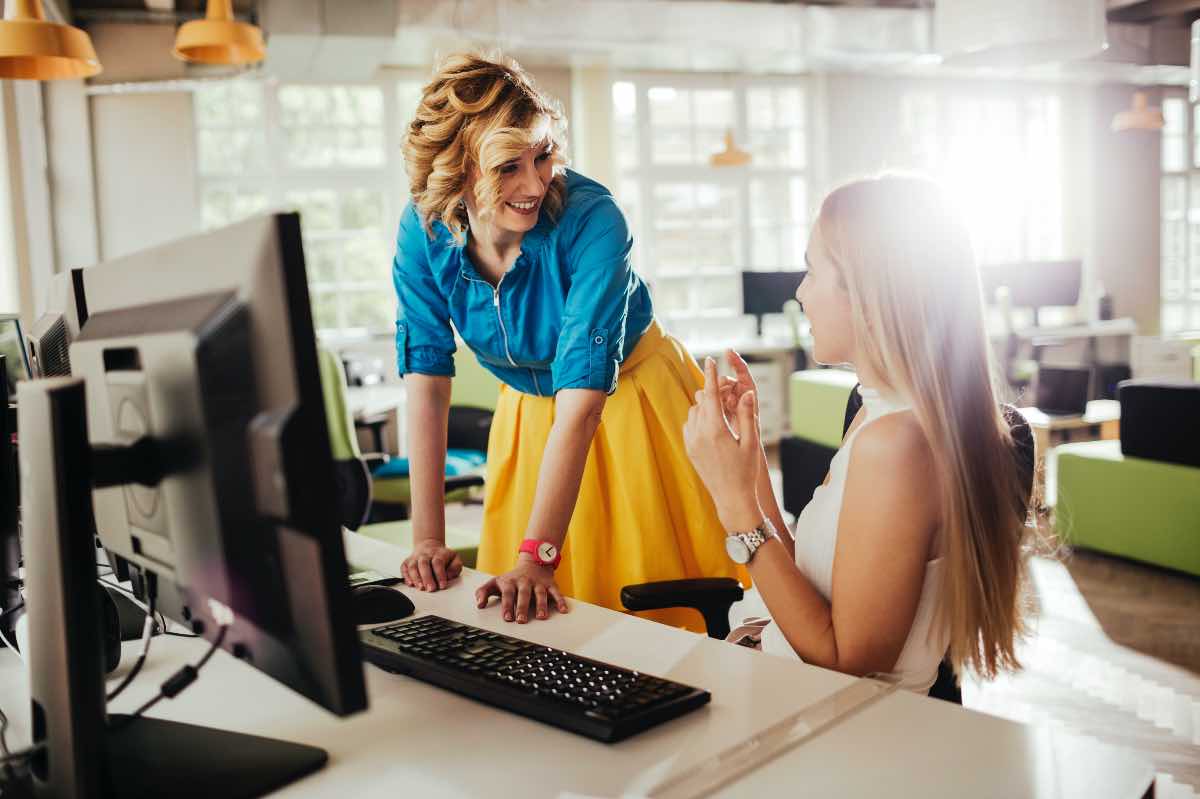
[(712, 597)]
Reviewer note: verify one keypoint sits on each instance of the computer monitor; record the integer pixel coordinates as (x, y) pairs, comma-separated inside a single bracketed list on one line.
[(1034, 284), (12, 347), (766, 292), (192, 437), (1062, 391), (52, 333)]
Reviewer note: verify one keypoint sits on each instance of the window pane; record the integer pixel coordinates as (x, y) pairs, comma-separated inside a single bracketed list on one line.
[(673, 252), (625, 143), (1174, 121), (671, 146), (372, 310), (669, 106), (789, 107), (673, 204), (360, 148), (716, 204), (708, 141), (1173, 318), (1174, 153), (325, 311), (230, 152), (220, 206), (322, 257), (362, 209), (366, 259), (318, 209), (715, 248), (714, 108), (764, 250), (672, 295), (311, 148), (760, 111), (624, 98), (719, 294)]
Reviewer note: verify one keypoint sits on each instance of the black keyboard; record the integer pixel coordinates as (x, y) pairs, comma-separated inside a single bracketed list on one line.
[(604, 702)]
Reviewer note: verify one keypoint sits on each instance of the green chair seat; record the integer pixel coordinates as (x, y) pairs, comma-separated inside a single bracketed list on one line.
[(1135, 508)]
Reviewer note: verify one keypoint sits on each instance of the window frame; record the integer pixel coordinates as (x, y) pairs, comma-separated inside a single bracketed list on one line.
[(277, 180), (649, 175), (1186, 296)]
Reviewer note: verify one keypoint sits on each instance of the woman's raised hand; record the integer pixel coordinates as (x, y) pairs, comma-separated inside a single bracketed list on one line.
[(725, 449)]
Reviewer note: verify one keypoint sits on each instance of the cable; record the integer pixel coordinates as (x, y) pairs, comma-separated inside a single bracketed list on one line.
[(147, 637), (9, 644), (4, 746), (176, 683), (8, 760)]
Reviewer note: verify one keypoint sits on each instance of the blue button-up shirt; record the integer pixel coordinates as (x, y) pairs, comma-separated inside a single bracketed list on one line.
[(566, 314)]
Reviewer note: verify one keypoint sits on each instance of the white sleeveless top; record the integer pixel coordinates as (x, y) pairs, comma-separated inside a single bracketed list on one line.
[(816, 542)]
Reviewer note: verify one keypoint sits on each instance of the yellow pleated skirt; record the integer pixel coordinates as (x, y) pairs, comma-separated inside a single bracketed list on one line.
[(642, 514)]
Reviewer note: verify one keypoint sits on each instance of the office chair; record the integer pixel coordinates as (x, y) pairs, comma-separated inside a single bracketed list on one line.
[(473, 395), (713, 596), (351, 470), (352, 473)]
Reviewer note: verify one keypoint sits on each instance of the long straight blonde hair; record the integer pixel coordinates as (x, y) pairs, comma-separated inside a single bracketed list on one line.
[(907, 263)]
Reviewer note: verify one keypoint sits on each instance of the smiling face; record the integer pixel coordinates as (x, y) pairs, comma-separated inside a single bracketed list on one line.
[(524, 182), (826, 303)]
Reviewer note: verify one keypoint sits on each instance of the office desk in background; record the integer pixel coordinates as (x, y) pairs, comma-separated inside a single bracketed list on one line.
[(417, 740), (371, 402)]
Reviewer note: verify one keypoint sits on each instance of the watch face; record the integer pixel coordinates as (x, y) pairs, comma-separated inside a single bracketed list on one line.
[(737, 550), (546, 552)]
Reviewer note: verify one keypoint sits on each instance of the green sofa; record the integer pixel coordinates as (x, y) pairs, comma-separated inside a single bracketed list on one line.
[(1135, 508)]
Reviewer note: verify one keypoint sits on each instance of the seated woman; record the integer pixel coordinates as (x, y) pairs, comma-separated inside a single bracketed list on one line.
[(913, 546)]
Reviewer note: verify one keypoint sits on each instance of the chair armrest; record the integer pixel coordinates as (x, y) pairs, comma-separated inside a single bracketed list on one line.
[(375, 459), (712, 596), (463, 481)]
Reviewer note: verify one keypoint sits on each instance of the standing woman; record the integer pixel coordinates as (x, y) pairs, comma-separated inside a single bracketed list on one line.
[(588, 484)]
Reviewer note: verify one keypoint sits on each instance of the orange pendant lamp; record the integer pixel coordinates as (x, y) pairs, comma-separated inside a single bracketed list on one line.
[(219, 38), (32, 48)]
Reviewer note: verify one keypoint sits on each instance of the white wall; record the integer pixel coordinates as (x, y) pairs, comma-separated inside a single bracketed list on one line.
[(144, 151)]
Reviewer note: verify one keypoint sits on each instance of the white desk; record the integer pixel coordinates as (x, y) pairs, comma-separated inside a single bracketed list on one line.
[(417, 740), (389, 398)]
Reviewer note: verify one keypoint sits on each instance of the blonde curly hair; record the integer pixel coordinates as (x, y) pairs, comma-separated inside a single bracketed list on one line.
[(478, 111)]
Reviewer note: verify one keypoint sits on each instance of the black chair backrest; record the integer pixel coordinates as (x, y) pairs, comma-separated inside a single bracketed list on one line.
[(1018, 426)]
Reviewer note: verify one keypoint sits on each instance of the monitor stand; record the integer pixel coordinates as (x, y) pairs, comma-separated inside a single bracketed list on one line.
[(86, 753)]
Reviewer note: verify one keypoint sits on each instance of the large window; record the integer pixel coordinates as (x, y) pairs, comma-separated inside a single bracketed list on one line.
[(1180, 216), (328, 151), (696, 226), (999, 155)]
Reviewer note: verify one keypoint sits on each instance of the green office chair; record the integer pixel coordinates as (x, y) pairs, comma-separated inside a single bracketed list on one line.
[(350, 467), (354, 478), (473, 395)]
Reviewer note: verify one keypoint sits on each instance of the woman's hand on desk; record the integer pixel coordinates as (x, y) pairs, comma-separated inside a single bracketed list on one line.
[(527, 582), (726, 451), (431, 566)]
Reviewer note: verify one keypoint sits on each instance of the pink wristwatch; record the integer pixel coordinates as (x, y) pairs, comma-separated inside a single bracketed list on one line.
[(543, 552)]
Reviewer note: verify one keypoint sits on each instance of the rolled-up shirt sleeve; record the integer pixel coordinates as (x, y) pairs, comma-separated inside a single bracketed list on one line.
[(590, 348), (424, 338)]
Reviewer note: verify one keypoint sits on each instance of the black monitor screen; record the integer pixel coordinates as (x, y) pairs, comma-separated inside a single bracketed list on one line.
[(1034, 284), (12, 345), (766, 292), (1062, 390)]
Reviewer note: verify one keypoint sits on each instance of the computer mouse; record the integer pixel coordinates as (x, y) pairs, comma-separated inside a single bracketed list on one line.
[(375, 604)]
